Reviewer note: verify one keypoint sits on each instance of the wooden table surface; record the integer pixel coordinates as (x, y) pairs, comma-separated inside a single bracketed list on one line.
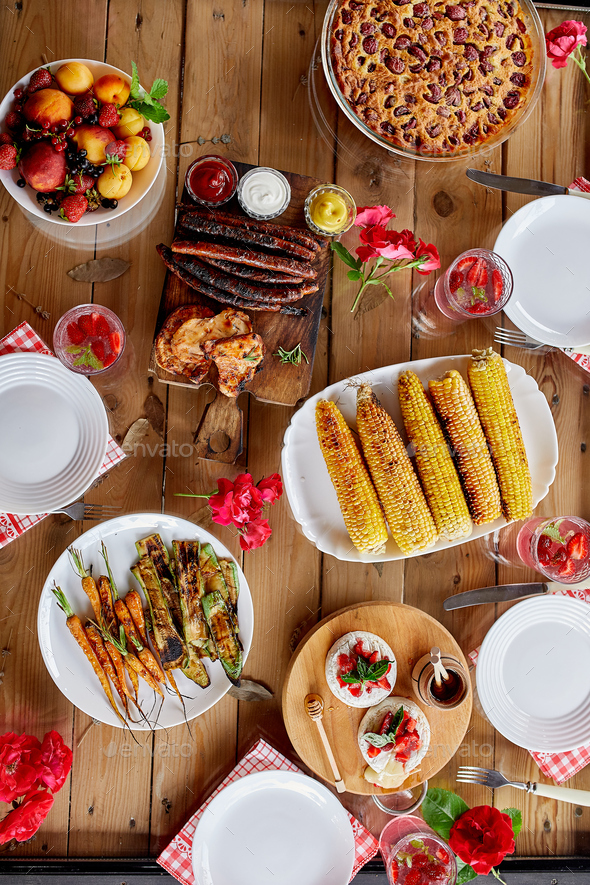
[(240, 68)]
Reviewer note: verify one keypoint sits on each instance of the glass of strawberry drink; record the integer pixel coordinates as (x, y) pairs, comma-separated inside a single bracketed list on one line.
[(89, 339), (477, 284), (413, 854), (559, 548)]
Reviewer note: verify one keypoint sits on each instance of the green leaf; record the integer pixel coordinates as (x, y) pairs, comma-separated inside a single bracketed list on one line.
[(74, 348), (478, 294), (153, 112), (552, 531), (367, 672), (396, 721), (464, 872), (354, 275), (93, 361), (345, 256), (516, 817), (441, 808), (134, 88), (159, 88)]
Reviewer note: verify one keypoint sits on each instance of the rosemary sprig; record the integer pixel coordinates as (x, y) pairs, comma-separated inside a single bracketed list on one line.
[(291, 356)]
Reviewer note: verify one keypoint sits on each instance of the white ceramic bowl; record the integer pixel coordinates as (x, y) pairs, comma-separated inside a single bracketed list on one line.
[(142, 180)]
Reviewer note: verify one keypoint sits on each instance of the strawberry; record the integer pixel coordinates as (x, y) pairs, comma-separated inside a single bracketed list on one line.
[(345, 662), (8, 154), (478, 307), (384, 683), (394, 870), (75, 333), (359, 649), (117, 150), (355, 690), (559, 556), (465, 263), (442, 855), (577, 547), (115, 342), (6, 138), (455, 280), (13, 120), (77, 184), (567, 568), (98, 349), (477, 275), (108, 116), (374, 657), (497, 284), (387, 720), (41, 79), (86, 324), (73, 208), (84, 106), (101, 327), (372, 751)]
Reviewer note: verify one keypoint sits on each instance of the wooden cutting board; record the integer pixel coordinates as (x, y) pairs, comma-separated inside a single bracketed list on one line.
[(284, 384), (410, 633)]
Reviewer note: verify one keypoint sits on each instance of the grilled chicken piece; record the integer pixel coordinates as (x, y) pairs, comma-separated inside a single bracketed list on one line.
[(237, 360), (178, 345)]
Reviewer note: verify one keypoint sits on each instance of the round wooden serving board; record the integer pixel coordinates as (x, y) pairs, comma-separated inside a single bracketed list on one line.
[(410, 633)]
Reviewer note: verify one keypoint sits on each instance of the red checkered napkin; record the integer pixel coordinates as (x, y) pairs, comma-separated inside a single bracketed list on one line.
[(24, 338), (176, 857), (559, 766), (582, 359)]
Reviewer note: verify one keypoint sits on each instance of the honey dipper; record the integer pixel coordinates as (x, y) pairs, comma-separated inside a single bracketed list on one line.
[(314, 706)]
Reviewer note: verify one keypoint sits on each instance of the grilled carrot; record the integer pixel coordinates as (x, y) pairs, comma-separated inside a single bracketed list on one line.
[(138, 666), (119, 665), (147, 658), (135, 606), (108, 609), (88, 583), (102, 654), (77, 630), (132, 675)]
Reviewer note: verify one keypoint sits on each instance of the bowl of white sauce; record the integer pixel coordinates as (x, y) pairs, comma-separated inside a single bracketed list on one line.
[(264, 193)]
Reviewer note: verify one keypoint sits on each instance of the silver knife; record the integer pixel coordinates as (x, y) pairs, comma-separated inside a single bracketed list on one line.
[(521, 185), (501, 593)]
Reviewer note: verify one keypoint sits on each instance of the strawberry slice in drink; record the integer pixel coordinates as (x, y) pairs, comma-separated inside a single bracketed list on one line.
[(477, 275), (577, 547), (455, 280), (497, 285), (466, 263)]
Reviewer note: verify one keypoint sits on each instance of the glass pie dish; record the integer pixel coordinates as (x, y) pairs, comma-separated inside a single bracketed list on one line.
[(424, 151)]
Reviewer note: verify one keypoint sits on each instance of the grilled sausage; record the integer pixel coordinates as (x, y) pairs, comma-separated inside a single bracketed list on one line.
[(295, 234), (214, 228), (249, 257), (259, 275)]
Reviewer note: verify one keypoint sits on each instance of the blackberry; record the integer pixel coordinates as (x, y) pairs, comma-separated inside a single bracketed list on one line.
[(21, 183), (47, 208), (41, 198)]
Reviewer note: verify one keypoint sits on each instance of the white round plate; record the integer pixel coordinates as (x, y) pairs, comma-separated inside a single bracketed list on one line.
[(54, 434), (65, 660), (270, 827), (310, 490), (142, 180), (545, 245), (533, 674)]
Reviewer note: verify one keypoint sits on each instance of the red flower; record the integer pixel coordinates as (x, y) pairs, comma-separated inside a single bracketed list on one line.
[(56, 761), (482, 837), (562, 41), (256, 533), (24, 821), (408, 240), (432, 258), (271, 488), (19, 759), (367, 216), (236, 502), (386, 243)]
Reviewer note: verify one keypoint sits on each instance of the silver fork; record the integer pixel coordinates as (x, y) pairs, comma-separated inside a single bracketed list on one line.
[(80, 510), (487, 777), (516, 338)]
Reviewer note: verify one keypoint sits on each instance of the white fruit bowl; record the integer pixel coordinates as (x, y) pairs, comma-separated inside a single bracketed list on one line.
[(142, 180)]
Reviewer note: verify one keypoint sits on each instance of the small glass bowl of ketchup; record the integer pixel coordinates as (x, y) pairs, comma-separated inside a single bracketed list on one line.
[(211, 180)]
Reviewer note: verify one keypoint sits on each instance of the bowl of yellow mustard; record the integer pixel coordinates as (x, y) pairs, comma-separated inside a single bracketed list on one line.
[(329, 210)]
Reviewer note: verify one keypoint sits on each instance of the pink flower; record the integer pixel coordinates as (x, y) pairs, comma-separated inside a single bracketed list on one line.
[(24, 821), (562, 41), (367, 216), (385, 243), (432, 258), (19, 763), (255, 534), (56, 761), (236, 502), (271, 488)]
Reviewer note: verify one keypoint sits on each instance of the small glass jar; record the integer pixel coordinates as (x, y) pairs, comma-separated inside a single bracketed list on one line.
[(264, 193), (211, 181), (329, 210), (477, 284), (405, 839), (89, 339)]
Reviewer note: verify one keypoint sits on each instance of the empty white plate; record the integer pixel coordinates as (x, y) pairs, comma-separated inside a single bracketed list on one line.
[(533, 674), (274, 827), (54, 434), (545, 245)]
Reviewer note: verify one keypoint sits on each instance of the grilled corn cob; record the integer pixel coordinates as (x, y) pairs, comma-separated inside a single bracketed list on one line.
[(491, 392), (458, 416), (435, 466), (358, 500), (410, 520)]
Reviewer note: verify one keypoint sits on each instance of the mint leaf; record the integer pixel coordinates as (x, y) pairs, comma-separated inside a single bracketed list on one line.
[(440, 810), (516, 817), (134, 88), (81, 360), (478, 294), (552, 531), (159, 88), (464, 872), (153, 112), (345, 256), (93, 361), (73, 348)]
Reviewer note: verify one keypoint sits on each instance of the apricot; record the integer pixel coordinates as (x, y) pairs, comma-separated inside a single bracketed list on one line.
[(50, 106), (112, 89), (74, 78), (93, 139), (130, 123), (42, 167), (115, 182), (139, 153)]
